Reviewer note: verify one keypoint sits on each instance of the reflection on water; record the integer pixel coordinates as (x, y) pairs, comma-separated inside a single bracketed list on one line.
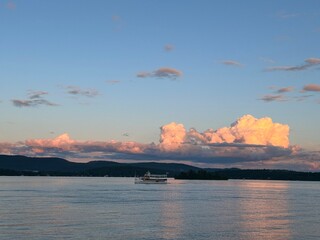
[(171, 215), (116, 208), (263, 207)]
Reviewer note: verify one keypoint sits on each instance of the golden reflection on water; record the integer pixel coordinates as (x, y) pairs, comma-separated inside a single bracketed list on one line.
[(264, 215), (171, 216)]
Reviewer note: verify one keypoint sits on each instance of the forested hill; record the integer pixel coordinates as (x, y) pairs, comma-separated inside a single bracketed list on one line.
[(21, 165)]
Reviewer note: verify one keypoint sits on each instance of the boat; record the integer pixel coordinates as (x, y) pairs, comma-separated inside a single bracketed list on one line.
[(149, 178)]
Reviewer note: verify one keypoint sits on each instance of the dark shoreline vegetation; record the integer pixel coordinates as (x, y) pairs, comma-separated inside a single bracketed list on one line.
[(28, 166), (200, 175)]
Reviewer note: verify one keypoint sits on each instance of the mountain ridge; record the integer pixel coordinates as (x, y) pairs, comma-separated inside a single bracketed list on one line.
[(15, 165)]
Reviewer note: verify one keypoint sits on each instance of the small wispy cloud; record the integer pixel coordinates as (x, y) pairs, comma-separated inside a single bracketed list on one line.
[(267, 60), (273, 98), (287, 15), (77, 91), (311, 88), (313, 61), (118, 22), (302, 98), (168, 47), (115, 18), (232, 63), (112, 82), (285, 89), (164, 72), (280, 94), (143, 74), (309, 62), (35, 98), (37, 94), (11, 5)]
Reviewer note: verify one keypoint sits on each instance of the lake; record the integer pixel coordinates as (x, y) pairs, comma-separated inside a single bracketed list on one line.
[(116, 208)]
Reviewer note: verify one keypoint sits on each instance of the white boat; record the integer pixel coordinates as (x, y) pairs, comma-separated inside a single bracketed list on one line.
[(149, 178)]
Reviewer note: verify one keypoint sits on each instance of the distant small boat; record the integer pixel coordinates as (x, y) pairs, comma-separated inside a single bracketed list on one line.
[(149, 178)]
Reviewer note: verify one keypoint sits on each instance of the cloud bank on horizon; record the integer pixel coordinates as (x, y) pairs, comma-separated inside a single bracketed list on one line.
[(247, 142)]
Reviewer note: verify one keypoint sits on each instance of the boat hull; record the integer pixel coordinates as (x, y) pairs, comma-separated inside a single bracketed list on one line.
[(141, 181)]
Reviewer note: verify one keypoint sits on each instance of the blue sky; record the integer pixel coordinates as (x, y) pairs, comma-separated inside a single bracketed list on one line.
[(75, 67)]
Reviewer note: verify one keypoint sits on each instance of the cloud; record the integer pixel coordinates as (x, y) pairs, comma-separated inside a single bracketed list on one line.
[(172, 136), (112, 82), (164, 72), (143, 74), (117, 23), (286, 15), (232, 63), (37, 94), (267, 60), (272, 98), (32, 103), (313, 60), (116, 18), (168, 47), (11, 5), (302, 98), (7, 148), (285, 89), (77, 91), (280, 94), (248, 142), (309, 62), (246, 132), (63, 142), (35, 98), (312, 88)]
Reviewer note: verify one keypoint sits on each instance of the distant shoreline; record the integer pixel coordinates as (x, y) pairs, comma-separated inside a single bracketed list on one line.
[(27, 166)]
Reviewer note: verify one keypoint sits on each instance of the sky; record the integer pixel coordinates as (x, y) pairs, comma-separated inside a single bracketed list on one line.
[(209, 83)]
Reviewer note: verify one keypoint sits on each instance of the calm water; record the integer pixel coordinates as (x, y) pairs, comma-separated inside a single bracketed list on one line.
[(115, 208)]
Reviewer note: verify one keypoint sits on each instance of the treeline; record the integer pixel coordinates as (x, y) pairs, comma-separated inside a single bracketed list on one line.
[(267, 174), (21, 165), (200, 175)]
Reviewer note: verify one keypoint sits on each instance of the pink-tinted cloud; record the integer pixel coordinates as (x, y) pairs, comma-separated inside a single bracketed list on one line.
[(285, 89), (312, 88), (247, 142), (232, 63), (11, 5), (309, 62), (143, 74), (313, 60), (172, 136), (116, 18), (168, 47), (117, 23), (165, 72), (272, 98), (63, 142), (249, 130)]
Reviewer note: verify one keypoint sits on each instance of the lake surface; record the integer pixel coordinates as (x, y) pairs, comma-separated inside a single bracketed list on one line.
[(115, 208)]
